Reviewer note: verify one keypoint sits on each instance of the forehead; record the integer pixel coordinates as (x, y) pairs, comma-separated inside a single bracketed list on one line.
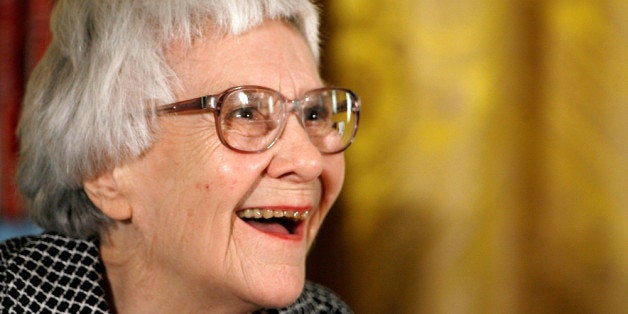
[(273, 54)]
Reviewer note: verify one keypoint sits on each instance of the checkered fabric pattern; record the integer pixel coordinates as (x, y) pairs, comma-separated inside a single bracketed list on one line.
[(51, 274), (56, 274)]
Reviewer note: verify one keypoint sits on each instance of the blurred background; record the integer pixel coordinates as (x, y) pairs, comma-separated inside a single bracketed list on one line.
[(490, 173)]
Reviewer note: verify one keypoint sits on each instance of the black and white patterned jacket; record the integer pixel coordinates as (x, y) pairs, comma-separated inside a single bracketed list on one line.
[(56, 274)]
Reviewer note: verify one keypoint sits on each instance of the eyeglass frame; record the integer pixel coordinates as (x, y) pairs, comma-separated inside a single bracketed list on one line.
[(214, 102)]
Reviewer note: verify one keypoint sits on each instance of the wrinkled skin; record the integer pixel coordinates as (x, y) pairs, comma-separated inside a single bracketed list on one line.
[(177, 244)]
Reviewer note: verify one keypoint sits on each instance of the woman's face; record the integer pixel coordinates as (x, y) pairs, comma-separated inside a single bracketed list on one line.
[(186, 191)]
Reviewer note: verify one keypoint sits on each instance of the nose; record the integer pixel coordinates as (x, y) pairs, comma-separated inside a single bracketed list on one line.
[(295, 156)]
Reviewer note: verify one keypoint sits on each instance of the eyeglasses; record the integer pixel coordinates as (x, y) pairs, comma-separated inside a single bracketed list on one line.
[(252, 118)]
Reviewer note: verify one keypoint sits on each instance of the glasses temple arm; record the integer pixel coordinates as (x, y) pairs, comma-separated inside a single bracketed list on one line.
[(201, 103)]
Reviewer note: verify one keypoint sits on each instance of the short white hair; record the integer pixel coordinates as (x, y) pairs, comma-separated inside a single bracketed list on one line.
[(82, 112)]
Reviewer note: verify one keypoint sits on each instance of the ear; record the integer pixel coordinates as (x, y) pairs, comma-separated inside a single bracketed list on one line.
[(104, 191)]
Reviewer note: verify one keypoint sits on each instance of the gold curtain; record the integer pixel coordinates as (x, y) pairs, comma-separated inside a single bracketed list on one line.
[(490, 173)]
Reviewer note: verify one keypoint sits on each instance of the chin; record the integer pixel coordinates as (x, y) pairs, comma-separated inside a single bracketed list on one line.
[(279, 292)]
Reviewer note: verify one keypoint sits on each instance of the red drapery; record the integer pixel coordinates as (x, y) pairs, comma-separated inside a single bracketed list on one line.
[(24, 35)]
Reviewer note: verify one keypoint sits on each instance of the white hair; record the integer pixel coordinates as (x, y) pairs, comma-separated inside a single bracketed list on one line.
[(83, 109)]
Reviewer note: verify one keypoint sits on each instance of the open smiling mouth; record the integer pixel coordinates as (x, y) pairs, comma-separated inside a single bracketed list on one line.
[(282, 222)]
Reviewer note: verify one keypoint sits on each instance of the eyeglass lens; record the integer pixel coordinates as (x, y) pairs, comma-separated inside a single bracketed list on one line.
[(252, 119)]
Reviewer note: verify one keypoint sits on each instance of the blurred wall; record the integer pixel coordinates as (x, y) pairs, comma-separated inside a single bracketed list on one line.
[(490, 170), (24, 35)]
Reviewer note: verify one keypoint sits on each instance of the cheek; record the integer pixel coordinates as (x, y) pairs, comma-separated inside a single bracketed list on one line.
[(229, 173), (333, 176), (169, 183)]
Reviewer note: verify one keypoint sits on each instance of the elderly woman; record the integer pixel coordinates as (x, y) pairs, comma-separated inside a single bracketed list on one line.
[(181, 156)]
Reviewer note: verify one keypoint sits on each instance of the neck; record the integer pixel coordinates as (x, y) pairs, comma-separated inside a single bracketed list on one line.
[(137, 285)]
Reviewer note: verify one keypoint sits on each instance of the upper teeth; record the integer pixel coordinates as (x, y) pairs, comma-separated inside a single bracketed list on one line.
[(270, 213)]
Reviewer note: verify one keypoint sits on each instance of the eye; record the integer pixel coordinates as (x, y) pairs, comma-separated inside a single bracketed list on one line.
[(248, 122), (246, 113), (316, 113)]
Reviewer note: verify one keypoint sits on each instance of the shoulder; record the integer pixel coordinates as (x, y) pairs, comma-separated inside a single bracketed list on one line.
[(43, 241), (48, 271), (45, 249), (316, 299)]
